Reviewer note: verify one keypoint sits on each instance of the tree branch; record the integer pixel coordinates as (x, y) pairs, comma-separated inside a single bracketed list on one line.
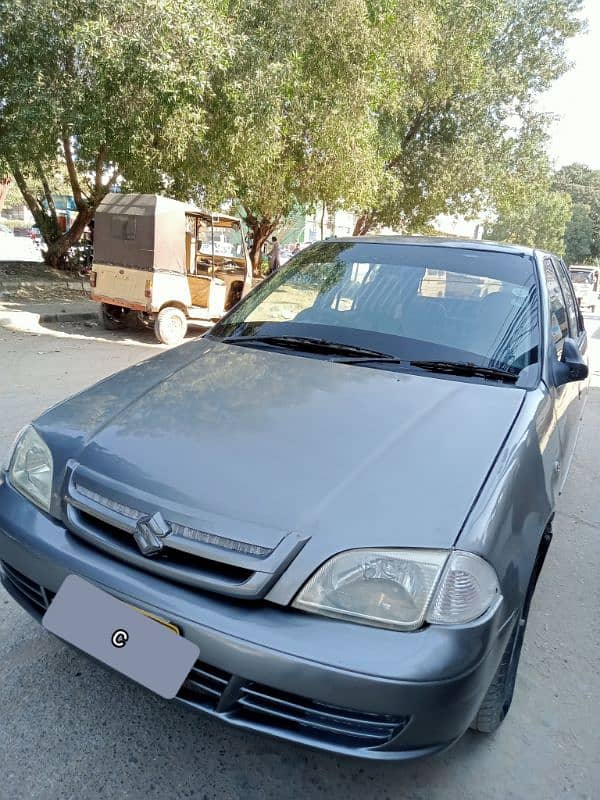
[(72, 170), (28, 196), (47, 193)]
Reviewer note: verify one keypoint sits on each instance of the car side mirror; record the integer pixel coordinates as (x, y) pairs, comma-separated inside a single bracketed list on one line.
[(571, 366)]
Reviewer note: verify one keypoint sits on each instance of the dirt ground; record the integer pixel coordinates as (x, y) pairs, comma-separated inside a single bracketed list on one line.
[(31, 282)]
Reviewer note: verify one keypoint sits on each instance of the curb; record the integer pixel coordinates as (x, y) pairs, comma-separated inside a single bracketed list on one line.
[(11, 286)]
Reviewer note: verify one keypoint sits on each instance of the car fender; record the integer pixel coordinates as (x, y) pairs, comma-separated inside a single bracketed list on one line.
[(515, 505)]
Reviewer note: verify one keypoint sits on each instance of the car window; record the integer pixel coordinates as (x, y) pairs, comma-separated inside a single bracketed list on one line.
[(571, 303), (415, 301), (559, 325)]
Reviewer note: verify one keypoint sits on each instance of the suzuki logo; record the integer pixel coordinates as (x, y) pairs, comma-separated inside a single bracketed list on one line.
[(150, 531)]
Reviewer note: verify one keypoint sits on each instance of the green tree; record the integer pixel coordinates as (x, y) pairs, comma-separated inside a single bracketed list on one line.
[(455, 112), (106, 90), (541, 223), (583, 184), (290, 119), (579, 236)]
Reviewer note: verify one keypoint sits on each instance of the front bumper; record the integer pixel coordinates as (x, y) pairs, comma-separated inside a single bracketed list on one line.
[(338, 686)]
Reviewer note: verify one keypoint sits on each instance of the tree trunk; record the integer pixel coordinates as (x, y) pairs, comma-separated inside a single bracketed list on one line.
[(58, 243), (57, 252), (323, 211), (364, 223), (4, 184), (261, 229)]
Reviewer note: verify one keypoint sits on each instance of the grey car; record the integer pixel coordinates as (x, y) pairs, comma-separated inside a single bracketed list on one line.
[(342, 494)]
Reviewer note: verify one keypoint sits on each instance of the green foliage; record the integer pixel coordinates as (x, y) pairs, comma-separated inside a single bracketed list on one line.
[(579, 236), (290, 121), (399, 109), (583, 185), (541, 223), (457, 85)]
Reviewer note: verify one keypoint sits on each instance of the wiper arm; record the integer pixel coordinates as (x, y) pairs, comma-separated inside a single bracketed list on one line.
[(468, 368), (313, 344)]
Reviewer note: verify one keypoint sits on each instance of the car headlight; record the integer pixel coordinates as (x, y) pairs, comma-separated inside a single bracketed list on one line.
[(30, 468), (401, 589)]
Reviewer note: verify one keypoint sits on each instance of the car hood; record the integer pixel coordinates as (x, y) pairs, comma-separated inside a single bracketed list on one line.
[(254, 444)]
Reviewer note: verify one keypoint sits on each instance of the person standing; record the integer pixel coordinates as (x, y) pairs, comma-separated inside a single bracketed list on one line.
[(274, 260)]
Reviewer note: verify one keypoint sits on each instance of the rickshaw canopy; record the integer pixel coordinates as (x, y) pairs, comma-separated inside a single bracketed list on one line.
[(146, 231)]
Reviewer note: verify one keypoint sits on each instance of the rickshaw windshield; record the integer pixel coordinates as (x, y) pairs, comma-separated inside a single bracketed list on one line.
[(221, 240)]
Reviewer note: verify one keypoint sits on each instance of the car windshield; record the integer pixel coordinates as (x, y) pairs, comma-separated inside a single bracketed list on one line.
[(405, 300)]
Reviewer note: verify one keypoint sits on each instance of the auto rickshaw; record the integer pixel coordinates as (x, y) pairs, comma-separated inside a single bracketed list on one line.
[(585, 280), (167, 262)]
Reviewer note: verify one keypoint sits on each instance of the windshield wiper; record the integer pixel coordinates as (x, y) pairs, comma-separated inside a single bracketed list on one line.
[(468, 368), (313, 344)]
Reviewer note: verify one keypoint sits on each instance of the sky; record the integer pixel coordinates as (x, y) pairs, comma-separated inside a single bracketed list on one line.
[(575, 98)]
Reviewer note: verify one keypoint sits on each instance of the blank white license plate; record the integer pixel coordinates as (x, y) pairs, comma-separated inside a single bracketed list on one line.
[(113, 632)]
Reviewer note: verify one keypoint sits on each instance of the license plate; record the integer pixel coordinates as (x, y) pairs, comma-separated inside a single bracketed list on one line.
[(134, 644)]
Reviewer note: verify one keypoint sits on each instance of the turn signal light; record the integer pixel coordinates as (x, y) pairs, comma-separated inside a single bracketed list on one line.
[(93, 279), (148, 289)]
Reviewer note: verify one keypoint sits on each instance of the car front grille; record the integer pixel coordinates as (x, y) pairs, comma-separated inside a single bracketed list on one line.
[(32, 593), (182, 530), (186, 554)]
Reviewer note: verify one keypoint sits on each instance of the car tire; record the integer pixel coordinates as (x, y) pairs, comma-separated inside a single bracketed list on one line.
[(592, 309), (170, 325), (114, 318), (498, 699), (499, 696)]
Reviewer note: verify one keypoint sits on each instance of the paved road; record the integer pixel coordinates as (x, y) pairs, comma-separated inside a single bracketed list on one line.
[(18, 248), (70, 729)]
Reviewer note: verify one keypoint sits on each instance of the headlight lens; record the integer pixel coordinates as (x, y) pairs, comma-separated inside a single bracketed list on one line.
[(401, 589), (384, 588), (30, 468)]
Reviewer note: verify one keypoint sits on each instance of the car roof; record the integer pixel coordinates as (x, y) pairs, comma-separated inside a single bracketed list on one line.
[(439, 241)]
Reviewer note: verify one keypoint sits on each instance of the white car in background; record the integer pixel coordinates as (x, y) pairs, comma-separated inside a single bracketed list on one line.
[(585, 282)]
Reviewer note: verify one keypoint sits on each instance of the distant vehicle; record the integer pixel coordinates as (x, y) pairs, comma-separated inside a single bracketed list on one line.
[(585, 282), (342, 494), (167, 262)]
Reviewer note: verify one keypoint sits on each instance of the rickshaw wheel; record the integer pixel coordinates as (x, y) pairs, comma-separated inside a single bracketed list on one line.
[(170, 326), (114, 318)]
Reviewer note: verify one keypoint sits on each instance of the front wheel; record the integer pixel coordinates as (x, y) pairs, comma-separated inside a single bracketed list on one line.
[(499, 696), (170, 326), (114, 318)]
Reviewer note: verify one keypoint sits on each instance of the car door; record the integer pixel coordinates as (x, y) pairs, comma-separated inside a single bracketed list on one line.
[(565, 322), (578, 334)]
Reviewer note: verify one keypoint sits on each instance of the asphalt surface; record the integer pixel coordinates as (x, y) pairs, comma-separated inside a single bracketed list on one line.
[(71, 729)]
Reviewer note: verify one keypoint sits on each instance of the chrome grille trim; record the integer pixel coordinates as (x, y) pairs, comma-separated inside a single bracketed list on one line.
[(185, 531), (220, 541), (120, 508)]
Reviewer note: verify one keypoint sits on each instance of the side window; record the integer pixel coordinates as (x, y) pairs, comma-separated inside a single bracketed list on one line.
[(559, 325), (572, 309), (122, 227)]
